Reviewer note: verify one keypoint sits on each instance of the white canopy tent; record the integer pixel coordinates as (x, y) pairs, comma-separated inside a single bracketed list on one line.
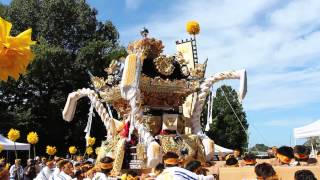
[(310, 130), (9, 145), (218, 149)]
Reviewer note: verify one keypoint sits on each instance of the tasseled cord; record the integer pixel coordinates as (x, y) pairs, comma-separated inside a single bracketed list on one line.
[(88, 127)]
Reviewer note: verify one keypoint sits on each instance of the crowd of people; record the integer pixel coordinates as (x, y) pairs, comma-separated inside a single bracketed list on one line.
[(172, 167)]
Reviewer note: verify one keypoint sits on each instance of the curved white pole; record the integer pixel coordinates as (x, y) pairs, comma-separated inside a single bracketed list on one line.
[(205, 88)]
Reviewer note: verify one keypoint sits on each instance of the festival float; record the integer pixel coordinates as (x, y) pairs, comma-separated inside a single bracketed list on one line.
[(158, 98)]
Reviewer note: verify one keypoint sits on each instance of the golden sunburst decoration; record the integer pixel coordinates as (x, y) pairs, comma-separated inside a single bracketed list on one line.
[(15, 52), (164, 65)]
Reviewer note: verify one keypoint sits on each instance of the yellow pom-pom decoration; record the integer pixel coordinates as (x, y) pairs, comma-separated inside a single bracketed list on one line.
[(193, 27), (15, 52), (72, 150), (13, 134), (32, 138), (91, 141), (89, 150), (1, 148), (51, 150)]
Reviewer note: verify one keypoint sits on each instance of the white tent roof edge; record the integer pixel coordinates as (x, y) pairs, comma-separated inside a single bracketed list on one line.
[(310, 130), (218, 149), (9, 145)]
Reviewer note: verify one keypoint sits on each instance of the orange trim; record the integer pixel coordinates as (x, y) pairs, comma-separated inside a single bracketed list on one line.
[(171, 161)]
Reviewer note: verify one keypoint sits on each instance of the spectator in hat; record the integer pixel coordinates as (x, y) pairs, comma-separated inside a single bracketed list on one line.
[(284, 155), (171, 159), (250, 159), (301, 155), (16, 170)]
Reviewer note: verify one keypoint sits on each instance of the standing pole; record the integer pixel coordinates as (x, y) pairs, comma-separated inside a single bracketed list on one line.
[(15, 150)]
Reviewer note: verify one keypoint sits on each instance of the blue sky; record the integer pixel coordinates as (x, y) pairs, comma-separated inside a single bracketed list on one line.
[(277, 41)]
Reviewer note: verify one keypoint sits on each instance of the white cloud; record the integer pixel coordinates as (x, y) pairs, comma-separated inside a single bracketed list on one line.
[(133, 4), (295, 122), (277, 42), (297, 14)]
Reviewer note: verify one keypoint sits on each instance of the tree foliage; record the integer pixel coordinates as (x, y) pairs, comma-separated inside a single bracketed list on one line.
[(313, 141), (226, 130), (259, 147), (70, 41)]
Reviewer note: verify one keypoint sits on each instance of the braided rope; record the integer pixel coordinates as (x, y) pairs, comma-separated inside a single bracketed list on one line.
[(71, 104), (204, 90)]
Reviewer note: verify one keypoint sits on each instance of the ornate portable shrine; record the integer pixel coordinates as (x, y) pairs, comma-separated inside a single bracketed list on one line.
[(159, 99)]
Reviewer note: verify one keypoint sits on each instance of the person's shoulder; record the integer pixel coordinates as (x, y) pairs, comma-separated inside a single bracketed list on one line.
[(99, 176)]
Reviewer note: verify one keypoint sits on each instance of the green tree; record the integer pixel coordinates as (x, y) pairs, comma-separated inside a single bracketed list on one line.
[(226, 129), (259, 147), (313, 141), (3, 10), (70, 41)]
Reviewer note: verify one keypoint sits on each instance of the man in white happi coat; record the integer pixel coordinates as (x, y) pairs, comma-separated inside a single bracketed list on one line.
[(46, 171), (66, 171), (105, 165), (178, 173)]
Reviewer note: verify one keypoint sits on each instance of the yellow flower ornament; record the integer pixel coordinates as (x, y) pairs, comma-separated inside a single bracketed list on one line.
[(13, 134), (15, 52), (91, 141), (72, 150), (89, 150), (193, 27), (32, 138), (51, 150)]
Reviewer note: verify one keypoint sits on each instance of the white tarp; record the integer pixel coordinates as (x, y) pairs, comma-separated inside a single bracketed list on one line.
[(9, 145), (218, 149), (309, 130)]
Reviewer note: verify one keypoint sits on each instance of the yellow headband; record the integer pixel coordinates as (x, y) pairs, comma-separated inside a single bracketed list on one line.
[(171, 161), (130, 177), (235, 165), (275, 177), (283, 159), (106, 165)]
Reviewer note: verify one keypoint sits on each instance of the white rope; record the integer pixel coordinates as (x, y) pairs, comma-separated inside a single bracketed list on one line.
[(234, 112), (89, 123), (204, 90), (69, 109), (209, 110)]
